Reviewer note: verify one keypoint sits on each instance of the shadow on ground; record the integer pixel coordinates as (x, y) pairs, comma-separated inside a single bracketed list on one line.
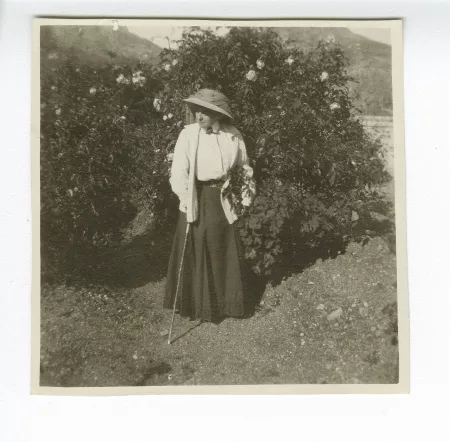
[(145, 258), (127, 266)]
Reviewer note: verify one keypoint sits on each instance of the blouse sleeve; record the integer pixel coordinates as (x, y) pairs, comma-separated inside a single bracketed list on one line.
[(249, 189), (180, 169)]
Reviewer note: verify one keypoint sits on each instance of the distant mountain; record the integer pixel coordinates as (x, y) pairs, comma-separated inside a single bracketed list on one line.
[(99, 45), (369, 61), (369, 64)]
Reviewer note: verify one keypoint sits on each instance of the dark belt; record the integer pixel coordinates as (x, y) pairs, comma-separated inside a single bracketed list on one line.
[(211, 183)]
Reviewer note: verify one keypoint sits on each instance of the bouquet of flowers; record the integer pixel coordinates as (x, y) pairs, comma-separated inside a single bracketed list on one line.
[(241, 188)]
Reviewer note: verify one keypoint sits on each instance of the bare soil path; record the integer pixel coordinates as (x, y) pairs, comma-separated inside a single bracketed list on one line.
[(333, 323)]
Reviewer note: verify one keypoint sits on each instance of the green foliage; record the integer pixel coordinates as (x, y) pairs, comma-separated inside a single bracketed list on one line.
[(89, 170), (106, 144), (311, 156)]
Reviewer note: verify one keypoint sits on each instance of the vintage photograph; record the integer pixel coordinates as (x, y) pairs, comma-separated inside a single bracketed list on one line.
[(218, 204)]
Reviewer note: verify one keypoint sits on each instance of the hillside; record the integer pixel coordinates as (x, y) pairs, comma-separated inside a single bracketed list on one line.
[(99, 45), (370, 61), (369, 64)]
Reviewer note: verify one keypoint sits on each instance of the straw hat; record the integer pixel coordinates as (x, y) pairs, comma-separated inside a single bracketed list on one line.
[(211, 99)]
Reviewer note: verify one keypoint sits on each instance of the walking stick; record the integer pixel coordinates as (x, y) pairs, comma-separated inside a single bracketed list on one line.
[(178, 282)]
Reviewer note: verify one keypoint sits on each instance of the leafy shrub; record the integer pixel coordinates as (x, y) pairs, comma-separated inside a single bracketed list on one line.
[(107, 136), (89, 168), (313, 161)]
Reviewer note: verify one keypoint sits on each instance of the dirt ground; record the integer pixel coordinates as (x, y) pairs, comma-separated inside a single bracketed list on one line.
[(333, 323)]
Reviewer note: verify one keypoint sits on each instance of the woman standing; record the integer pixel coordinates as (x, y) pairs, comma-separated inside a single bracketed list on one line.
[(211, 283)]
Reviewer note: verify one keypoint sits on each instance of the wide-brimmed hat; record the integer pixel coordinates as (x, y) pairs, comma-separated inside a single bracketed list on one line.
[(211, 99)]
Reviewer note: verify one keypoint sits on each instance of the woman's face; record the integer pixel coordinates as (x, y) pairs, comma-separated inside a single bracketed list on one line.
[(205, 117)]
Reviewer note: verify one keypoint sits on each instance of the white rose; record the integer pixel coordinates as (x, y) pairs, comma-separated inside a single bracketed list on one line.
[(138, 79), (169, 157), (92, 90), (174, 62), (290, 60), (157, 104), (167, 67), (58, 111), (121, 79), (251, 75), (248, 170), (165, 117), (324, 76), (334, 106), (260, 64), (169, 115)]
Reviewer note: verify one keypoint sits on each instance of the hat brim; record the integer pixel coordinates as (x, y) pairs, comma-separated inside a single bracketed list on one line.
[(202, 103)]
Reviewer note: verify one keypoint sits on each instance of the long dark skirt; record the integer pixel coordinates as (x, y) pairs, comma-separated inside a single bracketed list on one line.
[(211, 283)]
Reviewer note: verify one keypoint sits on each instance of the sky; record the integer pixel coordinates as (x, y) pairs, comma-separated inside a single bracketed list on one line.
[(380, 35), (159, 34)]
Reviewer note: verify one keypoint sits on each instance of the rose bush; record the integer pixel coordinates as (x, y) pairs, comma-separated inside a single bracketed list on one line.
[(107, 138), (90, 185), (314, 163)]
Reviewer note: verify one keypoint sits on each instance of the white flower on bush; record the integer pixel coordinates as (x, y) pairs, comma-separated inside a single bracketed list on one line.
[(169, 116), (165, 117), (283, 113), (169, 156), (248, 171), (167, 67), (324, 76), (260, 64), (251, 75), (123, 118), (290, 60), (122, 79), (138, 79), (92, 90), (58, 111), (157, 104), (334, 106), (53, 88), (174, 62)]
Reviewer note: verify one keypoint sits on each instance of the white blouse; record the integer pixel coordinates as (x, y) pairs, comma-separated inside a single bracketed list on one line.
[(210, 161), (207, 157)]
